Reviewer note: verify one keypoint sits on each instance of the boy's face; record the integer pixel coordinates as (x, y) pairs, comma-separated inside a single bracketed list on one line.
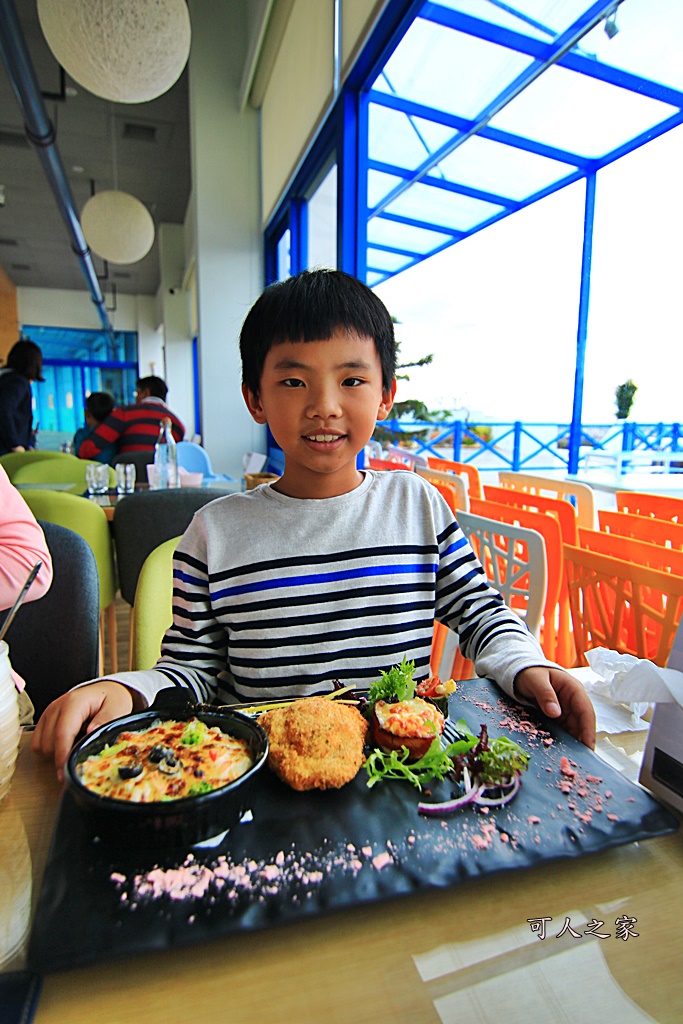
[(321, 400)]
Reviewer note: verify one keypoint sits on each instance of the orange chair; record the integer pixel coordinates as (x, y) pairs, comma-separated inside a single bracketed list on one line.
[(439, 637), (556, 638), (654, 556), (663, 532), (621, 605), (460, 469), (559, 508), (566, 515), (374, 463), (579, 494), (658, 506)]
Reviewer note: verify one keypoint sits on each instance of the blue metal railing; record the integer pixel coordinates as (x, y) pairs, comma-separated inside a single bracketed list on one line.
[(540, 446), (519, 446)]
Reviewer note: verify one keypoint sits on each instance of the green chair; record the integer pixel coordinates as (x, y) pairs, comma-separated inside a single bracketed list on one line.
[(12, 461), (67, 470), (153, 606), (87, 519)]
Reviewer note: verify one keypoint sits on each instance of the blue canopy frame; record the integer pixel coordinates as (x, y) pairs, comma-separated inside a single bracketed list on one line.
[(407, 168)]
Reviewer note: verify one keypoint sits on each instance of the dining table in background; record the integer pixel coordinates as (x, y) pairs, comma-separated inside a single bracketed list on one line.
[(511, 946)]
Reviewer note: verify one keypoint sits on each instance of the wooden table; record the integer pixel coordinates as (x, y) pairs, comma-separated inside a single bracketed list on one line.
[(108, 501), (465, 954)]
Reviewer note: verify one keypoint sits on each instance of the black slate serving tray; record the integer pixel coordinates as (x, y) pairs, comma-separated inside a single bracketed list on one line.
[(304, 854)]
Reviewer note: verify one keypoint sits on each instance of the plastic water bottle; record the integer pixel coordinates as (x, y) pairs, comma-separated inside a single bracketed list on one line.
[(166, 458)]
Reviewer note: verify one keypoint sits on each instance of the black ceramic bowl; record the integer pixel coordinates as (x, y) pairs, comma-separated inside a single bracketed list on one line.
[(174, 822)]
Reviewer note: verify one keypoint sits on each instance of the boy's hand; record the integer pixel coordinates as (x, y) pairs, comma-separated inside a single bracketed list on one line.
[(61, 722), (559, 695)]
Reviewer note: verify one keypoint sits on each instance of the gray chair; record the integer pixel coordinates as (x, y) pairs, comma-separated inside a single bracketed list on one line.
[(53, 642), (141, 460), (145, 520)]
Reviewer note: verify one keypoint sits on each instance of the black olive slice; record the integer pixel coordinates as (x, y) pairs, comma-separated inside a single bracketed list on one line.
[(130, 771), (158, 753)]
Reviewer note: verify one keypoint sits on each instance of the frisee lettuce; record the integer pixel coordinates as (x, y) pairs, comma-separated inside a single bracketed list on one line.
[(397, 682)]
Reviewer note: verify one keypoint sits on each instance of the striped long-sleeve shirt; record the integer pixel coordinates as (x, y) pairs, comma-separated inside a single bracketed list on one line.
[(278, 596), (131, 428)]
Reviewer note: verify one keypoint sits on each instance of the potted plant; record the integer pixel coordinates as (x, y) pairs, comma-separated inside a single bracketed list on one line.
[(625, 394)]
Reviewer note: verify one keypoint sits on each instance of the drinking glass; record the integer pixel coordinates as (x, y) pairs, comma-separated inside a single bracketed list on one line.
[(90, 478), (101, 478), (125, 477)]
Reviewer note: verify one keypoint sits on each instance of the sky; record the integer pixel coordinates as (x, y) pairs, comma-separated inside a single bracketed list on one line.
[(499, 310)]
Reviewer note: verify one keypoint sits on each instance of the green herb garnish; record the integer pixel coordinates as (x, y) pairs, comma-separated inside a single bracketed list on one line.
[(397, 682)]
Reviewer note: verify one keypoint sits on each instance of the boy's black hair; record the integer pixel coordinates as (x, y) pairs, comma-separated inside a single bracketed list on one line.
[(99, 404), (311, 307), (27, 359), (155, 385)]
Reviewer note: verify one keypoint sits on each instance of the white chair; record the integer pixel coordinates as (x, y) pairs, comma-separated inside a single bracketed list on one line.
[(514, 562), (412, 459), (452, 480), (580, 495), (195, 459)]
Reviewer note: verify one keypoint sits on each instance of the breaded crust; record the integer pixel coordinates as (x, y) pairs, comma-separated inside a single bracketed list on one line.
[(315, 743)]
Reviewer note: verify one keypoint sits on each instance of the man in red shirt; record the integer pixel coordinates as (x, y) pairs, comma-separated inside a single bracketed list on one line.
[(134, 428)]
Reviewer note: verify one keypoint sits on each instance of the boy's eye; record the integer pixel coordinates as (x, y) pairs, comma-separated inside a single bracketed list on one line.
[(293, 382), (352, 382)]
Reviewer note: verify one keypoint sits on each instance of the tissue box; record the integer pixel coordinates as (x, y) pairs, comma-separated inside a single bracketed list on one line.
[(662, 767)]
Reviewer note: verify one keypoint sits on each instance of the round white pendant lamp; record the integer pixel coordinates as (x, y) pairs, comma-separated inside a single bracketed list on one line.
[(126, 51), (117, 227)]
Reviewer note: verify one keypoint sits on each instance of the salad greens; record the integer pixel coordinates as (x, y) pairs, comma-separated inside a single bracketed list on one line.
[(492, 762), (397, 682)]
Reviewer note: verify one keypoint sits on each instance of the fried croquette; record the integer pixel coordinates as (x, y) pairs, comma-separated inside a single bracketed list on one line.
[(315, 743)]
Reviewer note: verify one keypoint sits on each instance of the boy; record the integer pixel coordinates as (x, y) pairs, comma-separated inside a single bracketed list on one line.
[(330, 572), (98, 405)]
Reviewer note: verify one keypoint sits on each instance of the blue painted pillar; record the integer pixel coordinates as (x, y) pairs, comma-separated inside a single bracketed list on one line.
[(575, 429)]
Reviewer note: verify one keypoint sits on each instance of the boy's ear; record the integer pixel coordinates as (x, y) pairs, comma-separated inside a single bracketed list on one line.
[(253, 405), (387, 401)]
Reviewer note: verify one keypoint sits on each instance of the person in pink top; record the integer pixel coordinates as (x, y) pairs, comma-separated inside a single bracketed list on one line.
[(22, 544)]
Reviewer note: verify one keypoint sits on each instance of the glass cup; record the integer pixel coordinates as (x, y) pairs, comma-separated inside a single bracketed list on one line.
[(90, 479), (97, 477), (125, 477), (101, 478)]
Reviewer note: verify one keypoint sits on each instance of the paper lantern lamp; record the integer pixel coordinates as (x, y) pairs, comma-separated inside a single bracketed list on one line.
[(126, 51), (117, 227)]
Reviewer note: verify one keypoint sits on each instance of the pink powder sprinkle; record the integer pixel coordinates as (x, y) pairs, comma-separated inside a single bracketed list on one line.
[(366, 851), (548, 741), (270, 872), (504, 837), (533, 820), (116, 876), (593, 778), (613, 817), (381, 860)]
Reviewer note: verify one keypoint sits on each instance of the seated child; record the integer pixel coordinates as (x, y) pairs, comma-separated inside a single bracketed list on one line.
[(330, 572), (98, 405)]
